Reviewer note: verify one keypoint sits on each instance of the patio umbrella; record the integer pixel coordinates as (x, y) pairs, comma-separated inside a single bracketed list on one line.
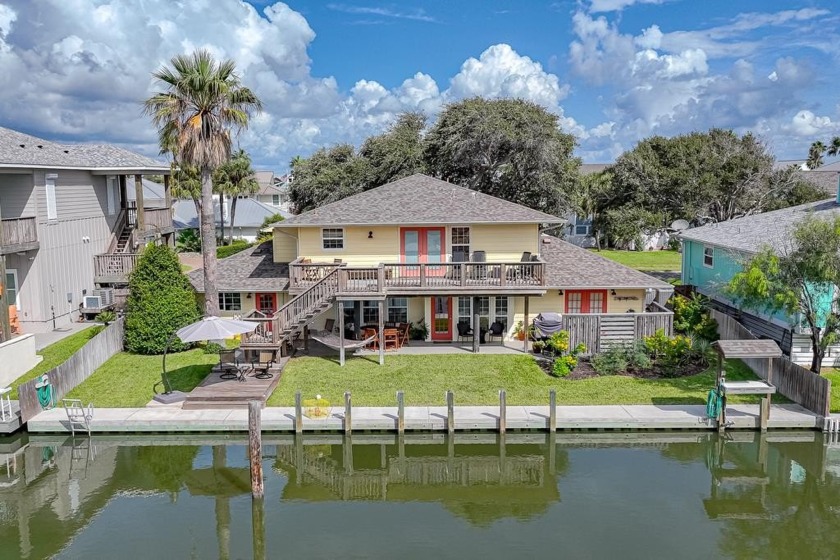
[(208, 328)]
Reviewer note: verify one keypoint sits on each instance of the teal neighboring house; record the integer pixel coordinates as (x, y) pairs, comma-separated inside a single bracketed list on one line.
[(713, 254)]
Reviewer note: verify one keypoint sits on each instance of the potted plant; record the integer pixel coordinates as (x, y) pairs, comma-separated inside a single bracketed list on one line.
[(538, 346), (519, 331)]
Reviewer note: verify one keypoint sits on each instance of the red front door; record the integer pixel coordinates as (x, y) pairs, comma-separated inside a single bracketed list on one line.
[(441, 318), (586, 301), (267, 303)]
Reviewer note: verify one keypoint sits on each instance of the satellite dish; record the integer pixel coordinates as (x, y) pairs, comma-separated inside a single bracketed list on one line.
[(679, 225)]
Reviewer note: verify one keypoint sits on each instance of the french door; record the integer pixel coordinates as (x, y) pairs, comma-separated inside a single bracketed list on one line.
[(423, 245), (442, 318), (267, 303)]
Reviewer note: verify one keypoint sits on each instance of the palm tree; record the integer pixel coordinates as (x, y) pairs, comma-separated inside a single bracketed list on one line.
[(815, 155), (202, 105), (235, 178)]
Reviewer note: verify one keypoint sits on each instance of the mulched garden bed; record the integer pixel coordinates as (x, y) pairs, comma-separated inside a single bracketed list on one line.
[(584, 370)]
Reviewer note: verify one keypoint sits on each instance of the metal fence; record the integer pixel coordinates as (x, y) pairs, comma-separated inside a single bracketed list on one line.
[(800, 385), (64, 377)]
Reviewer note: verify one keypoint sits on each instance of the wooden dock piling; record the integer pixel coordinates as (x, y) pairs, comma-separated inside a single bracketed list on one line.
[(348, 413), (258, 527), (255, 448), (298, 414), (450, 412), (502, 411), (552, 410), (400, 412)]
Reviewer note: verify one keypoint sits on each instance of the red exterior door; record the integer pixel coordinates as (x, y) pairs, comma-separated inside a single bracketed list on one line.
[(586, 301), (441, 318), (267, 303)]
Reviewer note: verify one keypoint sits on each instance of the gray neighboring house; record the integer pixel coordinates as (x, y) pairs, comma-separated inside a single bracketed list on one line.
[(67, 225), (274, 190), (250, 214)]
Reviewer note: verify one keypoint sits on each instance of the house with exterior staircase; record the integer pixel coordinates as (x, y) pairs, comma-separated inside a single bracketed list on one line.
[(424, 251), (69, 231)]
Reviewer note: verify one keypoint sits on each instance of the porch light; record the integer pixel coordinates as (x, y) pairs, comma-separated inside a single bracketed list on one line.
[(559, 292), (612, 292), (370, 235), (248, 296)]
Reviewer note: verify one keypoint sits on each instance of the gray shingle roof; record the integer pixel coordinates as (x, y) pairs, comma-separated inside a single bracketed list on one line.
[(21, 150), (570, 266), (252, 270), (826, 179), (750, 233), (250, 213), (419, 199)]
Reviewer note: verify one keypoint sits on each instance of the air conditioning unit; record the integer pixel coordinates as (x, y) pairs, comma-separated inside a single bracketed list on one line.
[(106, 295), (93, 302)]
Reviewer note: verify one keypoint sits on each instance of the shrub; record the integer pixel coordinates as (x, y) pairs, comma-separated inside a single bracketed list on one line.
[(691, 317), (564, 365), (227, 250), (188, 241), (418, 331), (273, 219), (669, 353), (559, 342), (213, 348), (106, 317), (622, 358), (160, 301), (538, 346)]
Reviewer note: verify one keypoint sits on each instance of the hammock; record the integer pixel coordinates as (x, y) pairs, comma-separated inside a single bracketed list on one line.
[(329, 339)]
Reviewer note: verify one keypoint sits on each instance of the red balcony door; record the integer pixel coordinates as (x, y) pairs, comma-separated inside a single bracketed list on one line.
[(586, 301), (441, 318)]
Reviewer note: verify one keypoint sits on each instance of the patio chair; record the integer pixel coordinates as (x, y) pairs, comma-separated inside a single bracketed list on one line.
[(229, 366), (329, 325), (479, 272), (406, 332), (497, 330), (392, 339), (369, 333), (464, 331), (263, 364), (14, 322)]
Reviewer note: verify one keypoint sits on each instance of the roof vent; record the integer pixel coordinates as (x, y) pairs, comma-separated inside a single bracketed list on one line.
[(40, 146), (546, 240), (66, 151), (22, 145)]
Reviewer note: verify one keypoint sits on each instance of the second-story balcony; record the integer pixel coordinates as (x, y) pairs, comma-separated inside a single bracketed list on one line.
[(423, 278), (18, 235)]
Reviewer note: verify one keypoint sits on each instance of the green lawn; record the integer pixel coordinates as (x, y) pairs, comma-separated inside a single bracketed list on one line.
[(477, 380), (56, 354), (645, 260), (126, 380)]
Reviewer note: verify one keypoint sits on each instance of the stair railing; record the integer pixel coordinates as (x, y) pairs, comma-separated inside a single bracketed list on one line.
[(287, 317), (119, 226)]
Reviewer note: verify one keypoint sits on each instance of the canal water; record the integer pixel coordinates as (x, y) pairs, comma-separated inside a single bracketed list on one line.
[(587, 495)]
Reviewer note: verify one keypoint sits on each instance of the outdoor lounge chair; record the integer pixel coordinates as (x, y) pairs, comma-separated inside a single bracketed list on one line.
[(464, 331), (405, 334), (230, 366), (497, 329), (263, 364)]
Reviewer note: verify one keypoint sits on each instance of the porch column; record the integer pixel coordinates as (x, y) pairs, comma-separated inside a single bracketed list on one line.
[(123, 193), (138, 195), (381, 332), (5, 323), (525, 325), (476, 327), (339, 317), (167, 192)]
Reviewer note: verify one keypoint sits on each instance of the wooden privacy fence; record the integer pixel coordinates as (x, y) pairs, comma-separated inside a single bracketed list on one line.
[(598, 331), (800, 385), (64, 377)]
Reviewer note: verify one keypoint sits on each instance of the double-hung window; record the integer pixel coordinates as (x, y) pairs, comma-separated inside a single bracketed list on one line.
[(709, 257), (583, 225), (398, 310), (332, 238), (275, 200), (370, 312), (502, 311), (460, 244), (230, 301)]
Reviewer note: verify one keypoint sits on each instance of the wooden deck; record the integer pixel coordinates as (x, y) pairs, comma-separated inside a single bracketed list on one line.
[(215, 392)]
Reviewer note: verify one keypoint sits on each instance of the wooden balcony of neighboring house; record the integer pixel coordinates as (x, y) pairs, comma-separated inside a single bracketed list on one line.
[(18, 235), (114, 268), (467, 278), (156, 221)]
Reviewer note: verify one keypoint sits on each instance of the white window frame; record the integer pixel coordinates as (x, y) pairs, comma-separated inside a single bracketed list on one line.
[(275, 200), (49, 187), (227, 302), (586, 224), (506, 314), (14, 274), (391, 303), (324, 239), (453, 244), (111, 194), (708, 252), (491, 315), (372, 306)]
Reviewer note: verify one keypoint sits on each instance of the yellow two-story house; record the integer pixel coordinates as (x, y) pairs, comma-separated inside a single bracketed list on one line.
[(424, 251)]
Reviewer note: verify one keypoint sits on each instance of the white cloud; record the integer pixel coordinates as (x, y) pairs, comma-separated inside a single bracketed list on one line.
[(808, 125), (417, 14), (617, 5)]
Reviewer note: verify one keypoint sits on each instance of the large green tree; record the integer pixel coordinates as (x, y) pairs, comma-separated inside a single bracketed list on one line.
[(396, 153), (326, 176), (798, 277), (160, 301), (509, 148), (203, 104), (702, 177), (235, 178)]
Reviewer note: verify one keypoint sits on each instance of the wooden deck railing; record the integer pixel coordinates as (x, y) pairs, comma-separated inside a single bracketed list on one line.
[(272, 329), (157, 219), (423, 276), (18, 231), (114, 267), (600, 330)]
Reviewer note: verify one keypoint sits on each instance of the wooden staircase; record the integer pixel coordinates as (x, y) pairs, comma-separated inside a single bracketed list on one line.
[(289, 321), (124, 241)]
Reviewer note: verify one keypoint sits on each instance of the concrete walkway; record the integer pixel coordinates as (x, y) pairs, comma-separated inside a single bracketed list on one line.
[(44, 339), (173, 419)]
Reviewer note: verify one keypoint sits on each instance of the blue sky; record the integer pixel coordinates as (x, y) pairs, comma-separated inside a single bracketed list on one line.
[(614, 71)]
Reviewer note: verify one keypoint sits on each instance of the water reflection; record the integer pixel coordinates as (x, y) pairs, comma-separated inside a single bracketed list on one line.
[(692, 495)]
